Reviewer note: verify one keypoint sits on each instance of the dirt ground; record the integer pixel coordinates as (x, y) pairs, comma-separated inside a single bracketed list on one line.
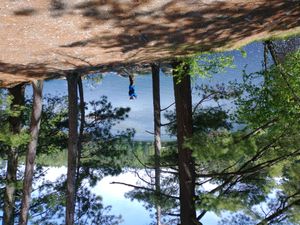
[(46, 38)]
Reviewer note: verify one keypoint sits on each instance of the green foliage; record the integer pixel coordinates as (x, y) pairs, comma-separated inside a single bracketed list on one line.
[(8, 139), (140, 153), (214, 203), (243, 52), (203, 65), (6, 109), (53, 137), (13, 140), (243, 165), (53, 159), (101, 146), (276, 95), (104, 152), (208, 118), (272, 98)]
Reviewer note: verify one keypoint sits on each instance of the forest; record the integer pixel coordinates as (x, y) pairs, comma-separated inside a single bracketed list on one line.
[(234, 153)]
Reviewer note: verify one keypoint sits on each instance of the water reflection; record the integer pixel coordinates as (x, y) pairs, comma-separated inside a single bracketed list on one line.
[(239, 155)]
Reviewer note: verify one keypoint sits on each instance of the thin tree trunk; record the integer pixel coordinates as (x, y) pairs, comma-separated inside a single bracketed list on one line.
[(82, 123), (72, 147), (31, 152), (80, 137), (183, 103), (157, 135), (271, 49), (265, 56), (12, 157)]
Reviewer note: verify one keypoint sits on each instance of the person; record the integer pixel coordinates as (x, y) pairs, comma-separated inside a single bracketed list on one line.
[(131, 92)]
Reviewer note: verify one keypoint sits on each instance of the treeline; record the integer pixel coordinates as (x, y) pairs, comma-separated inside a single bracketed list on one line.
[(138, 151)]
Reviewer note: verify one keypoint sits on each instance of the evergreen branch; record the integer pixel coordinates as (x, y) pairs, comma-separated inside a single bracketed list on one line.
[(173, 214), (142, 179), (240, 171), (204, 99), (278, 213), (167, 124), (271, 162), (201, 215), (39, 214), (265, 125), (164, 109), (204, 182), (140, 161), (232, 179), (149, 132)]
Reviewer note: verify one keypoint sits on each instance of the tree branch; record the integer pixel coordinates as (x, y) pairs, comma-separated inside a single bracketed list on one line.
[(278, 213), (164, 109)]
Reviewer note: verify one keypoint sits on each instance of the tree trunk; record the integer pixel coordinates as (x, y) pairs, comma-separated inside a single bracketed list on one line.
[(80, 138), (31, 152), (271, 48), (157, 135), (72, 147), (82, 123), (183, 103), (12, 157)]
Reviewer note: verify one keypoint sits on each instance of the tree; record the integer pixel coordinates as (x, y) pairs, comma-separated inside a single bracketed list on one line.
[(103, 152), (72, 147), (14, 142), (82, 123), (183, 104), (157, 134), (202, 65), (277, 105), (31, 153), (245, 164), (21, 140)]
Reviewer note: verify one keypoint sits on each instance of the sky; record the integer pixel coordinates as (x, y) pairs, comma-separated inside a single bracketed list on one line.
[(132, 211)]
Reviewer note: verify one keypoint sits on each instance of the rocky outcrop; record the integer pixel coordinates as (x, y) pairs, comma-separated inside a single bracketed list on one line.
[(46, 38)]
